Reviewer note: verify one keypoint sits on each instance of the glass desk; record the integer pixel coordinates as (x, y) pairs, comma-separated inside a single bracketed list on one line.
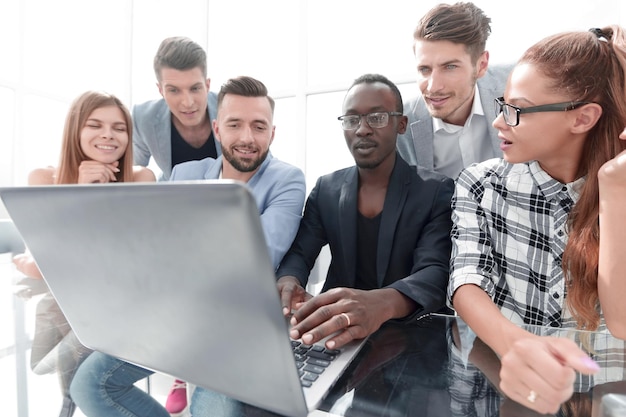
[(436, 368)]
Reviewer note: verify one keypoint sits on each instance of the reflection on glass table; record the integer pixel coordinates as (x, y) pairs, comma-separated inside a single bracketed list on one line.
[(438, 368)]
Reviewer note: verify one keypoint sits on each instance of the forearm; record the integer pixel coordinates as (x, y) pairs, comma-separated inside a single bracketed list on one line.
[(612, 260), (483, 316)]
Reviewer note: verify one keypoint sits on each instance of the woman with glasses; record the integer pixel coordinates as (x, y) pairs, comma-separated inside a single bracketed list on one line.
[(526, 234)]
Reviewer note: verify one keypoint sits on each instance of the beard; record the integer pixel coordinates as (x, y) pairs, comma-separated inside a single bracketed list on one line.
[(457, 102), (244, 164)]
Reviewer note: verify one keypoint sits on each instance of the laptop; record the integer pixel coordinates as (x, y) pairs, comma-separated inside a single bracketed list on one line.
[(175, 277)]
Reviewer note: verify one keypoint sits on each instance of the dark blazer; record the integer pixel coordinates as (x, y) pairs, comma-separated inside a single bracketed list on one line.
[(414, 238)]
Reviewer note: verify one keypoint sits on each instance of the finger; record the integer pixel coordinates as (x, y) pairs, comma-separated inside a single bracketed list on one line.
[(313, 304), (573, 356), (286, 295), (305, 319), (332, 325), (111, 171), (342, 338)]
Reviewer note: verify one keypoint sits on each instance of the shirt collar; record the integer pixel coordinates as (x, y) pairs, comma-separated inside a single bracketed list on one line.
[(551, 187)]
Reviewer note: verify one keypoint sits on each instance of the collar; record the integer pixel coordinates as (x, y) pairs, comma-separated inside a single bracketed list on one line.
[(551, 187)]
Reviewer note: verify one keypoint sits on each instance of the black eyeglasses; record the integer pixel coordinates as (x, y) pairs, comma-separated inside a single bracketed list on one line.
[(376, 120), (511, 113)]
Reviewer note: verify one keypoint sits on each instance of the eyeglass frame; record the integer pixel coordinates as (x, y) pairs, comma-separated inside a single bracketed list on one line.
[(366, 115), (564, 106)]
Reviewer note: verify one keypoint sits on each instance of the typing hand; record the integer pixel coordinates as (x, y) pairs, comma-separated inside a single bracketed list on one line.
[(292, 295), (352, 314), (94, 171), (539, 372)]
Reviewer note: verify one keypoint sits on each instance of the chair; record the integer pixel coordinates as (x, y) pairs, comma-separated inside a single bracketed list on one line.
[(11, 243)]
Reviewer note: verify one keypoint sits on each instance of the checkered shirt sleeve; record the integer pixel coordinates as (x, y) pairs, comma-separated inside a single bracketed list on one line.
[(508, 238)]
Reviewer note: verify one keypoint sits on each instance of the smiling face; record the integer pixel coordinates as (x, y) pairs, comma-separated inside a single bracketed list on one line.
[(245, 131), (104, 137), (185, 93), (371, 146), (446, 76)]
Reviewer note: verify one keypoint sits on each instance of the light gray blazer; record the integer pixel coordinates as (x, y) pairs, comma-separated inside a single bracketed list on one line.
[(416, 144), (152, 134)]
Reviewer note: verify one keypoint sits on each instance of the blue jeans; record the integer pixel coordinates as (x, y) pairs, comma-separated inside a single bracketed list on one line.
[(104, 387), (206, 403)]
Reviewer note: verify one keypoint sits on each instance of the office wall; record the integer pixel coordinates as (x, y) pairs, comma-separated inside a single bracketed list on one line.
[(306, 51)]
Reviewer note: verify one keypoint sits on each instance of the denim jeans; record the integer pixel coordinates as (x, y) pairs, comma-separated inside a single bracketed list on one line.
[(104, 387), (206, 403)]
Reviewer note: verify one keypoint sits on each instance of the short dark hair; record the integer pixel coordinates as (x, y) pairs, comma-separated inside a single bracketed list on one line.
[(377, 78), (462, 23), (244, 86), (179, 53)]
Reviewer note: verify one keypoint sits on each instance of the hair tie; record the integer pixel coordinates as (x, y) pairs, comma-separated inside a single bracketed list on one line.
[(601, 35)]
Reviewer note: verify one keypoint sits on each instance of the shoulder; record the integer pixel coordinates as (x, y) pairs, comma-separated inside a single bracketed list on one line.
[(42, 176), (423, 180), (192, 170), (143, 174), (276, 167), (150, 108), (413, 105), (434, 180), (336, 179), (490, 173), (497, 74), (212, 99)]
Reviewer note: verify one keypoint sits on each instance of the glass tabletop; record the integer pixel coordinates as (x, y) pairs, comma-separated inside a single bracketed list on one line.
[(437, 367)]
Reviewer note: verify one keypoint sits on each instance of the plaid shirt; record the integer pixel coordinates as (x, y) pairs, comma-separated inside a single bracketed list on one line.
[(508, 235)]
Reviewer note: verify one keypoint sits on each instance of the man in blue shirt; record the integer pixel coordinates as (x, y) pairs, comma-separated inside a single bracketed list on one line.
[(104, 385)]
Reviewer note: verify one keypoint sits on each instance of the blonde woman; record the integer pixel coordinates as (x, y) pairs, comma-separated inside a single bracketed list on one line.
[(96, 148)]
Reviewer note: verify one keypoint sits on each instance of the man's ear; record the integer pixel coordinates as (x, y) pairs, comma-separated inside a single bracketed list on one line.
[(482, 64), (402, 125), (216, 131), (586, 117), (158, 84)]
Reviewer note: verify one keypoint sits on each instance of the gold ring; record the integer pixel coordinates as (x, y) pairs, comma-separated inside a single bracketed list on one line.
[(532, 397), (346, 317)]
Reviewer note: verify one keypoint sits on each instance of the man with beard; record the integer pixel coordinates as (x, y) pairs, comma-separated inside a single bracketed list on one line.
[(449, 124), (387, 225), (104, 385), (244, 128)]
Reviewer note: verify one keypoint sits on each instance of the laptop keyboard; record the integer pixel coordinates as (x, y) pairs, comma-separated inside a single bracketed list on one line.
[(312, 361)]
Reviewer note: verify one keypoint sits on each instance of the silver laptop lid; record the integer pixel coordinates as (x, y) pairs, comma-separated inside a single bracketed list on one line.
[(174, 277)]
